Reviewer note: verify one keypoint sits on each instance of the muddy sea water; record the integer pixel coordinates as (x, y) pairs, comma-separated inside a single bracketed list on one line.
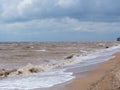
[(51, 56)]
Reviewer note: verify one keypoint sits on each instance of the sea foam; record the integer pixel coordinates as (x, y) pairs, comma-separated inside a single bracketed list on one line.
[(49, 74), (35, 81)]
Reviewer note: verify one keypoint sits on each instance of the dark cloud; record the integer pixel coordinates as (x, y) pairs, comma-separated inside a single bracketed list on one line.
[(93, 10), (50, 19)]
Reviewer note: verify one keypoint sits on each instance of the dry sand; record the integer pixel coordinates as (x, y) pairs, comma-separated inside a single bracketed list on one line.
[(17, 55), (105, 77)]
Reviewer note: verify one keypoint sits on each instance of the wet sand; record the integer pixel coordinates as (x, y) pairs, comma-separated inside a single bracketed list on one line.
[(18, 55), (105, 77)]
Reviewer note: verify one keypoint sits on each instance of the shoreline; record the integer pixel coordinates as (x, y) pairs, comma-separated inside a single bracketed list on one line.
[(56, 78), (95, 77)]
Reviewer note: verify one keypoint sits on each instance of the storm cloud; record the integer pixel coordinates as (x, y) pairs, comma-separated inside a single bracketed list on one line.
[(98, 10), (45, 18)]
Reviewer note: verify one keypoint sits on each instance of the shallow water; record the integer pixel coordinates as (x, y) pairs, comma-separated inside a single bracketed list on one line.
[(56, 69)]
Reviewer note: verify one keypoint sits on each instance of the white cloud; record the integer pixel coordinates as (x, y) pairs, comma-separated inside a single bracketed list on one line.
[(22, 5), (59, 25), (67, 3), (35, 16), (14, 10)]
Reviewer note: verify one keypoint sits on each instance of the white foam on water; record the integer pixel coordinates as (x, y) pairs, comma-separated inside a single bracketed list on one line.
[(42, 50), (83, 51), (41, 80), (102, 53), (53, 76), (95, 58), (113, 49)]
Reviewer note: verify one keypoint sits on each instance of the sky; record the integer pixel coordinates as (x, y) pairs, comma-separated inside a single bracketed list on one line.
[(59, 20)]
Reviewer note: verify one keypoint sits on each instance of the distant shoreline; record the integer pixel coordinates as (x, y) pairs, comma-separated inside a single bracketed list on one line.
[(55, 41)]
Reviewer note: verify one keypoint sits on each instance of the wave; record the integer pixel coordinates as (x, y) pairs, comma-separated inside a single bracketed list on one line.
[(70, 60), (47, 75), (36, 81), (42, 50)]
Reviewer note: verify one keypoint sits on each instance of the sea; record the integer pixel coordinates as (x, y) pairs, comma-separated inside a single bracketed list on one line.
[(45, 65)]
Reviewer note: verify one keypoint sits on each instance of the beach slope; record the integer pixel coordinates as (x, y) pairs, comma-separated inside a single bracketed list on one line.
[(105, 77)]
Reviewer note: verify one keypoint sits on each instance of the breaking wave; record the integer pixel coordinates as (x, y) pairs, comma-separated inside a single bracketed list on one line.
[(35, 81), (47, 75)]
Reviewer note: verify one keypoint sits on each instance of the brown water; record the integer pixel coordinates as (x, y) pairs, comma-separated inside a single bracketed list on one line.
[(41, 55), (15, 55)]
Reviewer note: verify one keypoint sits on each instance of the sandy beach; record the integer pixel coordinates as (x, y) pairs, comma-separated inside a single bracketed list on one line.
[(56, 66), (105, 77), (59, 44)]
